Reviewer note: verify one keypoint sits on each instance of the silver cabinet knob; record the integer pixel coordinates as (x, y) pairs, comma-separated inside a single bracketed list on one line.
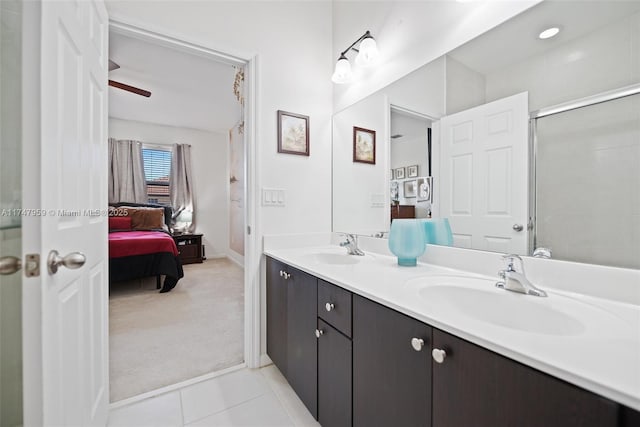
[(438, 355), (417, 344), (72, 261), (518, 227), (328, 306), (9, 265), (319, 333), (281, 273)]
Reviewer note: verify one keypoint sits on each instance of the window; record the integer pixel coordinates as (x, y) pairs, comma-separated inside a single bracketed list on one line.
[(157, 172)]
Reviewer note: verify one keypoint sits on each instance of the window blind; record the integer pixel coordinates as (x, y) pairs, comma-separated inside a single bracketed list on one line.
[(157, 171)]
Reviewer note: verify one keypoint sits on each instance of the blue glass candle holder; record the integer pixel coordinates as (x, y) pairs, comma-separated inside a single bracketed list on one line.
[(406, 241), (437, 231)]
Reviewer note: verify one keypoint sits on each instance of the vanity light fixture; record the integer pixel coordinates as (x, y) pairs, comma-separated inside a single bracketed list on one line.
[(548, 33), (367, 56)]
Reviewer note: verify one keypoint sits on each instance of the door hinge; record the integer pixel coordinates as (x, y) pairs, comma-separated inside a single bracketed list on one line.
[(32, 265), (248, 229)]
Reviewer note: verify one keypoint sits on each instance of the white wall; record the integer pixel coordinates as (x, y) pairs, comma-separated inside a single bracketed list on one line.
[(410, 34), (421, 91), (465, 88), (210, 154), (361, 190), (605, 59)]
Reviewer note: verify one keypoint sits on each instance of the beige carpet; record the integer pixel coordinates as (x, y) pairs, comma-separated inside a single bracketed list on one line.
[(161, 339)]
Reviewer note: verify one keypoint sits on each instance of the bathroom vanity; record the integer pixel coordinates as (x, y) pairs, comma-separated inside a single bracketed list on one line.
[(360, 343)]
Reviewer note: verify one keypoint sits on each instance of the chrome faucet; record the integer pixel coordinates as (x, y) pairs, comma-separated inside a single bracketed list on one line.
[(513, 280), (351, 244)]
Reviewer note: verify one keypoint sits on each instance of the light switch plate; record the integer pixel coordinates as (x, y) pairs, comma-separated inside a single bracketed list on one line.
[(273, 197)]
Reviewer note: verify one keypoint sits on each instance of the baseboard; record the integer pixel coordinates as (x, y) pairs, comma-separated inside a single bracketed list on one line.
[(234, 258), (265, 360), (174, 387)]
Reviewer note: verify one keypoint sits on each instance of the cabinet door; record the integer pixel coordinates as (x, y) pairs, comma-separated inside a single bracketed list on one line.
[(334, 377), (302, 345), (474, 386), (277, 315), (391, 380)]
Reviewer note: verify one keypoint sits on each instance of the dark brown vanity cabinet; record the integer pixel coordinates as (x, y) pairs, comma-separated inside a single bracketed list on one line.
[(368, 365), (291, 322), (477, 387), (391, 367), (334, 377)]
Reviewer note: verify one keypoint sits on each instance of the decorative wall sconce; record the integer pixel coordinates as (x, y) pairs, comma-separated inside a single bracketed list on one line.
[(367, 56)]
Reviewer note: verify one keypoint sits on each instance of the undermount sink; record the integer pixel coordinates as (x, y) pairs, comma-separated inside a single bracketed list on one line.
[(479, 299), (337, 258)]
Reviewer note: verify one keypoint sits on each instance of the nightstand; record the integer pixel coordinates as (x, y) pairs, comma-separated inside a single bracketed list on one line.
[(189, 247)]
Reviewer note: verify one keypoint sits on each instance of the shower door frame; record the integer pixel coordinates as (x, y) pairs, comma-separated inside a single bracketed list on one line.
[(587, 101)]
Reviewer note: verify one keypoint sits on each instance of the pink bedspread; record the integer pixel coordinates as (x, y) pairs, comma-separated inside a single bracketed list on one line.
[(128, 243)]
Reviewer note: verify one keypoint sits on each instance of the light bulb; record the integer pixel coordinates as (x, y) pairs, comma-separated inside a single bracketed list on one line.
[(368, 54), (342, 73), (549, 32)]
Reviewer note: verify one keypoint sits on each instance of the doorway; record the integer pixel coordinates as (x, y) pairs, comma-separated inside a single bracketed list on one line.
[(159, 341)]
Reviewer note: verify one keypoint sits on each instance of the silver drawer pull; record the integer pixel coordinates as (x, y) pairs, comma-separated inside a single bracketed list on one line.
[(319, 333), (328, 306), (284, 274), (417, 344), (438, 355)]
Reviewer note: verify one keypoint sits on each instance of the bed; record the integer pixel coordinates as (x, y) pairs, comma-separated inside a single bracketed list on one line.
[(140, 245)]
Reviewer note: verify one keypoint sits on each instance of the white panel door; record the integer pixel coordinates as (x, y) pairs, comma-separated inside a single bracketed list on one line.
[(484, 173), (73, 193)]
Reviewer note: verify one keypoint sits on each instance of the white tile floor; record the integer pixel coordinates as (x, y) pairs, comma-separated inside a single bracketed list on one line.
[(260, 397)]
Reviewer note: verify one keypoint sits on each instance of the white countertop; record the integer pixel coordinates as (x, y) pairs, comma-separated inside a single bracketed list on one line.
[(602, 356)]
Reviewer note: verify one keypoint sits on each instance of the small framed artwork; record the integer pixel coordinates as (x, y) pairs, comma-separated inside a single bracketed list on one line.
[(399, 173), (364, 145), (412, 171), (424, 189), (293, 133), (410, 189)]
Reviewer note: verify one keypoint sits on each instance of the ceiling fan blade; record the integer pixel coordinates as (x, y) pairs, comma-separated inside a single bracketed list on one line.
[(113, 65), (131, 89)]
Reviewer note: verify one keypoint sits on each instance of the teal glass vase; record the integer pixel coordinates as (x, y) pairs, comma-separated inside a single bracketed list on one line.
[(437, 231), (406, 241)]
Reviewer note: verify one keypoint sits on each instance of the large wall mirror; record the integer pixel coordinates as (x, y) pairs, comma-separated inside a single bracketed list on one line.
[(521, 142)]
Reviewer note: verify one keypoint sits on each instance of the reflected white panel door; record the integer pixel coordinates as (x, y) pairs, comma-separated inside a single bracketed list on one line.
[(73, 190), (484, 173)]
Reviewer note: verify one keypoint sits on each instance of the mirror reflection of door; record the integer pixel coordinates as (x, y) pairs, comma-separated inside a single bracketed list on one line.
[(483, 173), (410, 162)]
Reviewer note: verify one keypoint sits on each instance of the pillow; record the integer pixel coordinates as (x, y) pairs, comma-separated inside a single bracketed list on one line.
[(146, 218), (119, 223)]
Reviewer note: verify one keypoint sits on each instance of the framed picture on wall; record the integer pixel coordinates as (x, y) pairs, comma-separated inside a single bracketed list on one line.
[(412, 171), (364, 145), (424, 189), (398, 173), (293, 133), (410, 189)]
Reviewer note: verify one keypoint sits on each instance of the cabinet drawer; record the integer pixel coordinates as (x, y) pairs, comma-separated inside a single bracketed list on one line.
[(188, 251), (334, 306)]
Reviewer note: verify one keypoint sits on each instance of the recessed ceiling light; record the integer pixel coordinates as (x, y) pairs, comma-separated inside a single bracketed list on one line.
[(549, 32)]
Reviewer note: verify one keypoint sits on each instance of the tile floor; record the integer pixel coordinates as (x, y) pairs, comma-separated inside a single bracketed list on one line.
[(258, 397)]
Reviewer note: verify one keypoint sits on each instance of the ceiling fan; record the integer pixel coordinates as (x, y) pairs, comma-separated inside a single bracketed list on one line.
[(128, 88)]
